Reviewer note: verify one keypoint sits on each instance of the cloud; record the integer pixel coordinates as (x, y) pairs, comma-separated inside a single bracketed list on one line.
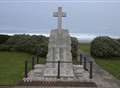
[(60, 1)]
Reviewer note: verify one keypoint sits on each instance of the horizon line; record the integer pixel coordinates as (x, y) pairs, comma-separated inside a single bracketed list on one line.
[(78, 35)]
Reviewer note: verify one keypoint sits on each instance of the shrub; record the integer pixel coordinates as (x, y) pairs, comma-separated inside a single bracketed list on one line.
[(105, 47), (74, 47), (5, 47), (33, 44), (118, 40), (3, 38), (27, 43), (41, 50)]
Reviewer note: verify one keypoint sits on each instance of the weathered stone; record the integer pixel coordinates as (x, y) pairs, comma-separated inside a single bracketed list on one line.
[(59, 49)]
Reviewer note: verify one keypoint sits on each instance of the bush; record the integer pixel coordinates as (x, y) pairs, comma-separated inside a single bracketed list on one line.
[(105, 47), (3, 38), (27, 43), (41, 50), (74, 47), (5, 47), (118, 40), (33, 45)]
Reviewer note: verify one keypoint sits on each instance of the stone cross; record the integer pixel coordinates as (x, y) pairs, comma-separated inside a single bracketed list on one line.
[(59, 14)]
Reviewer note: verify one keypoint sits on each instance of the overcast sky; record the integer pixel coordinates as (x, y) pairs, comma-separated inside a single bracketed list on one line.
[(85, 17)]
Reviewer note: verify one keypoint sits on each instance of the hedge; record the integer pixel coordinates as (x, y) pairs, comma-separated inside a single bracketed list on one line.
[(104, 46), (36, 44), (3, 38)]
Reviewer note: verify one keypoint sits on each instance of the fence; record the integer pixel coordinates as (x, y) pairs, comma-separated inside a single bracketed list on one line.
[(87, 65)]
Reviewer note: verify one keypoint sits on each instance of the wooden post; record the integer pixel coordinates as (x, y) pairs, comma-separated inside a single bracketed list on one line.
[(91, 69), (85, 61), (58, 76), (26, 69), (33, 62), (80, 58)]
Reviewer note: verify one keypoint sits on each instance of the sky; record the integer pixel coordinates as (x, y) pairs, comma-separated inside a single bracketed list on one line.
[(85, 18)]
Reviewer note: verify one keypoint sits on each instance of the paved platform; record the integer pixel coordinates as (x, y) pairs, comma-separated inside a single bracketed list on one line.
[(38, 74)]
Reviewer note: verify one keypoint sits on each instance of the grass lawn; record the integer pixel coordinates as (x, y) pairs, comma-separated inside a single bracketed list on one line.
[(12, 66), (85, 47), (112, 65)]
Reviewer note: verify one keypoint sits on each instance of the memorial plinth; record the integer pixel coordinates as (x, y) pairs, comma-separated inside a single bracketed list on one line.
[(59, 49)]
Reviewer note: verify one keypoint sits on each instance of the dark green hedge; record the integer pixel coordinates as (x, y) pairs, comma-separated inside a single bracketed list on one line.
[(3, 38), (32, 44), (105, 47), (74, 47), (26, 43)]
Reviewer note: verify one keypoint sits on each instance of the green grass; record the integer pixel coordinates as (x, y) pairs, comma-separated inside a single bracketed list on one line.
[(12, 66), (85, 47), (112, 65)]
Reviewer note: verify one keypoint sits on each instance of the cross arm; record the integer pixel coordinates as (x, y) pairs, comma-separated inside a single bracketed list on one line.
[(55, 14)]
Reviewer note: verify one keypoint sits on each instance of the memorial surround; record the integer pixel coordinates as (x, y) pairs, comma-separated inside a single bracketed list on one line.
[(59, 50)]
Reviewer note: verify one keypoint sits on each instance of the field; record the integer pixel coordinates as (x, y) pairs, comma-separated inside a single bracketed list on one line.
[(12, 66), (85, 47), (112, 65)]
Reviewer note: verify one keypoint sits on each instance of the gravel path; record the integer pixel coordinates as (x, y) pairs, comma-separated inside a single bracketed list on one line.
[(101, 77)]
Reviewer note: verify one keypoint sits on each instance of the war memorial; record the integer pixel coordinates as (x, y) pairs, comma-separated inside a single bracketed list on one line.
[(59, 68)]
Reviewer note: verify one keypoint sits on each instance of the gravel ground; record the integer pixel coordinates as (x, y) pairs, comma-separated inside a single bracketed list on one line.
[(102, 78)]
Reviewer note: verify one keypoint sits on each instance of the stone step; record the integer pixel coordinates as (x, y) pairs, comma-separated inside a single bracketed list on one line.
[(39, 66), (79, 71), (58, 84), (37, 71), (78, 66), (78, 74), (43, 87), (38, 75)]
